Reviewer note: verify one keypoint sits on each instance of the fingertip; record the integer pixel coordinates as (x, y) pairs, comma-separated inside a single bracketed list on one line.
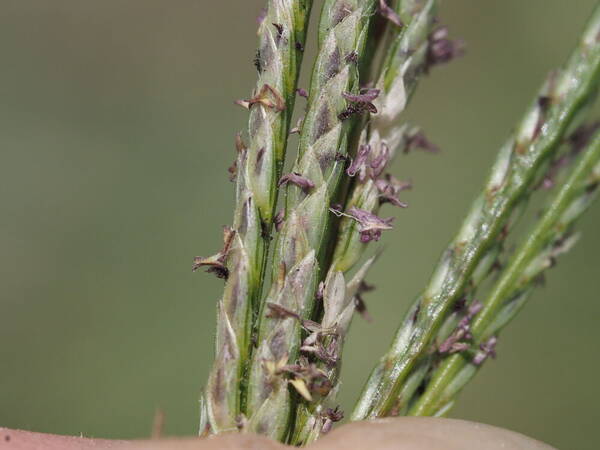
[(424, 433)]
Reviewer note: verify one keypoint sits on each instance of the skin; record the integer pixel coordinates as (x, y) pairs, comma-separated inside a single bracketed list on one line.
[(407, 433)]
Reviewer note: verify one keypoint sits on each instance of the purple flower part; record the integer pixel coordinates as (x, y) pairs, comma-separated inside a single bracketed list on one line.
[(489, 346), (419, 141), (370, 225), (359, 162), (379, 163), (488, 349), (452, 345), (302, 92), (295, 178), (367, 236), (389, 188), (479, 358), (327, 426), (360, 103), (459, 347), (369, 220), (393, 201), (365, 96), (474, 308), (335, 415), (389, 13), (447, 344), (441, 49), (330, 417)]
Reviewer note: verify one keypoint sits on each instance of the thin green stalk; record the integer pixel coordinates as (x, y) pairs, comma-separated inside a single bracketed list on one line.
[(513, 174), (384, 136), (550, 237), (258, 168), (406, 60), (301, 243)]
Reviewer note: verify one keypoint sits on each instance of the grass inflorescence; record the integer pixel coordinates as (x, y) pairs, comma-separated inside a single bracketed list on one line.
[(287, 307)]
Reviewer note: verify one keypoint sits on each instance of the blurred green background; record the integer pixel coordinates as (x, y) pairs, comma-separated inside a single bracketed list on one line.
[(116, 131)]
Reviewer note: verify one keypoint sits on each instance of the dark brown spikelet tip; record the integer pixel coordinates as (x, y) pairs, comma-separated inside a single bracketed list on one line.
[(389, 13), (299, 46), (280, 312), (352, 57), (297, 179), (460, 304), (216, 264), (215, 267), (544, 103), (258, 62), (233, 171), (581, 137), (592, 187), (264, 231), (441, 49), (279, 29), (361, 308)]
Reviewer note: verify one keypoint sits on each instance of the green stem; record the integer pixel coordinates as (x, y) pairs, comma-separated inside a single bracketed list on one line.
[(537, 253), (519, 162), (301, 244), (400, 71)]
